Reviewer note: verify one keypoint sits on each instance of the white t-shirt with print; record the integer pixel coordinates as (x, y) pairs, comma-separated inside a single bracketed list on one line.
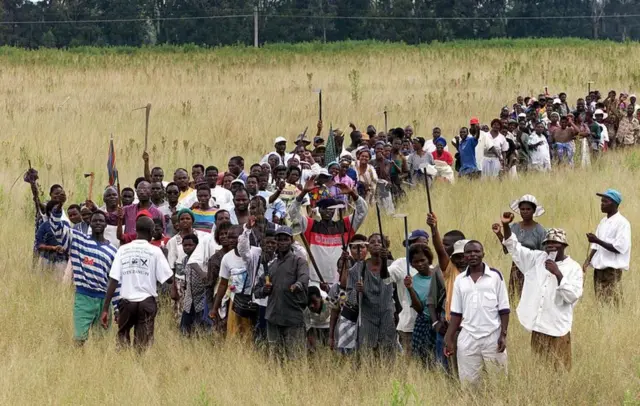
[(234, 269), (139, 266)]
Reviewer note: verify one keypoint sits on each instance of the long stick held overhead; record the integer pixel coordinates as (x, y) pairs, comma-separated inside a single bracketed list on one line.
[(386, 113), (426, 184), (146, 124), (380, 226)]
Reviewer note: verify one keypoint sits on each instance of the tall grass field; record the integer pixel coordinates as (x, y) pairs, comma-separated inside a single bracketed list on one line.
[(211, 104)]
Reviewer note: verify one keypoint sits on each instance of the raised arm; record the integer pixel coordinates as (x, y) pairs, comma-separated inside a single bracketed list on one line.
[(443, 257), (524, 258), (147, 171), (61, 229), (361, 210), (294, 212), (244, 244)]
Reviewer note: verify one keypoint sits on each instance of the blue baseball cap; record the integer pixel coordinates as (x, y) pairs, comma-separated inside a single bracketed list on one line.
[(415, 234), (285, 230), (612, 194)]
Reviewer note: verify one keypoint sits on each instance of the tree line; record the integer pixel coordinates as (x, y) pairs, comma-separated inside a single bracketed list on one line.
[(68, 23)]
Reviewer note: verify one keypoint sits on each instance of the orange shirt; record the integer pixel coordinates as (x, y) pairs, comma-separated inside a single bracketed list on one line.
[(450, 274)]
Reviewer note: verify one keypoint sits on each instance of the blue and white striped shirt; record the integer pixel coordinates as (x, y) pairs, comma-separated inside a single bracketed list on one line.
[(91, 260)]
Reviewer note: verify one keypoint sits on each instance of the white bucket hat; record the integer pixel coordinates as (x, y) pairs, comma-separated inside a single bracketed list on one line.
[(600, 112), (515, 205), (458, 247)]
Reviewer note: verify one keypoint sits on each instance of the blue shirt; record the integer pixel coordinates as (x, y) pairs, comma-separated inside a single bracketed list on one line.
[(467, 151), (422, 286), (45, 236)]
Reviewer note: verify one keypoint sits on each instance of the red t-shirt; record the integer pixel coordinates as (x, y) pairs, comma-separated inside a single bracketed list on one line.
[(161, 242), (446, 156)]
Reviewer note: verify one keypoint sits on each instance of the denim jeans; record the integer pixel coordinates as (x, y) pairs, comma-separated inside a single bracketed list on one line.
[(440, 358)]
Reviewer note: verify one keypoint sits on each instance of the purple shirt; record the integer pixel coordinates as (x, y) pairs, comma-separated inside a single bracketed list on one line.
[(130, 217)]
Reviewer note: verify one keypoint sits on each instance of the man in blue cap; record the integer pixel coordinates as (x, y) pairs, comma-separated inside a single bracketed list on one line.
[(610, 252), (285, 283)]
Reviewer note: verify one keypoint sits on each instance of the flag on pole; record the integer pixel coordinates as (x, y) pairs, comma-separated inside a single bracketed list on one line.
[(111, 164), (330, 151)]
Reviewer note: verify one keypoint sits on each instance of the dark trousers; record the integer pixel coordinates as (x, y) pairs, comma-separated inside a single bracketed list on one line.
[(286, 341), (192, 320), (516, 282), (141, 317), (556, 350), (405, 342), (606, 283)]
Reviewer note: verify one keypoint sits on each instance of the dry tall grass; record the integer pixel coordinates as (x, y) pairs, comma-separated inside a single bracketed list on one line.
[(239, 104)]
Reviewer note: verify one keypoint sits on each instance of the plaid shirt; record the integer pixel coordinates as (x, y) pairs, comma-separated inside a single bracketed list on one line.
[(194, 292)]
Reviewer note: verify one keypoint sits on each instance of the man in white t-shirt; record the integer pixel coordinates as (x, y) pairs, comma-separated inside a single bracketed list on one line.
[(137, 267), (429, 144), (235, 278)]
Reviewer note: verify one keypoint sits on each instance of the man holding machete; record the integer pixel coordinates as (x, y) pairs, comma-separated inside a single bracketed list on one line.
[(326, 237)]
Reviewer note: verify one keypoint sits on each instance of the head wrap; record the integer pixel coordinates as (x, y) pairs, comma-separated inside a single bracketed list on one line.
[(188, 211)]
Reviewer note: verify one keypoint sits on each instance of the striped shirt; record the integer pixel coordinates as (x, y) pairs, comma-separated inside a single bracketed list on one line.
[(90, 260), (204, 219)]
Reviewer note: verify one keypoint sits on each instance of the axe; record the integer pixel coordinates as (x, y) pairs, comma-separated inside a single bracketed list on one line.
[(92, 176), (146, 123)]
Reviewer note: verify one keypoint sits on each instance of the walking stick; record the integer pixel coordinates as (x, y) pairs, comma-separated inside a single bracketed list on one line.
[(385, 120), (426, 184), (313, 260), (406, 239), (380, 225)]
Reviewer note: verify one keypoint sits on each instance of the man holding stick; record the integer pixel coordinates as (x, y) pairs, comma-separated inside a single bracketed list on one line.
[(326, 237), (91, 259)]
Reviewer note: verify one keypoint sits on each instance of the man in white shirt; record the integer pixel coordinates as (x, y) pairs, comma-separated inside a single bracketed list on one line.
[(221, 196), (397, 273), (137, 267), (552, 286), (480, 306), (610, 249), (280, 146), (599, 116), (429, 144)]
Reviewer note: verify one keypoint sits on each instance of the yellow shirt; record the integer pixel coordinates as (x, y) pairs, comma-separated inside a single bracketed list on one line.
[(450, 274), (185, 194)]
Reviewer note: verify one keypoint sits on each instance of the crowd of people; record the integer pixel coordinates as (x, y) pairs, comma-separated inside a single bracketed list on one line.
[(273, 255)]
